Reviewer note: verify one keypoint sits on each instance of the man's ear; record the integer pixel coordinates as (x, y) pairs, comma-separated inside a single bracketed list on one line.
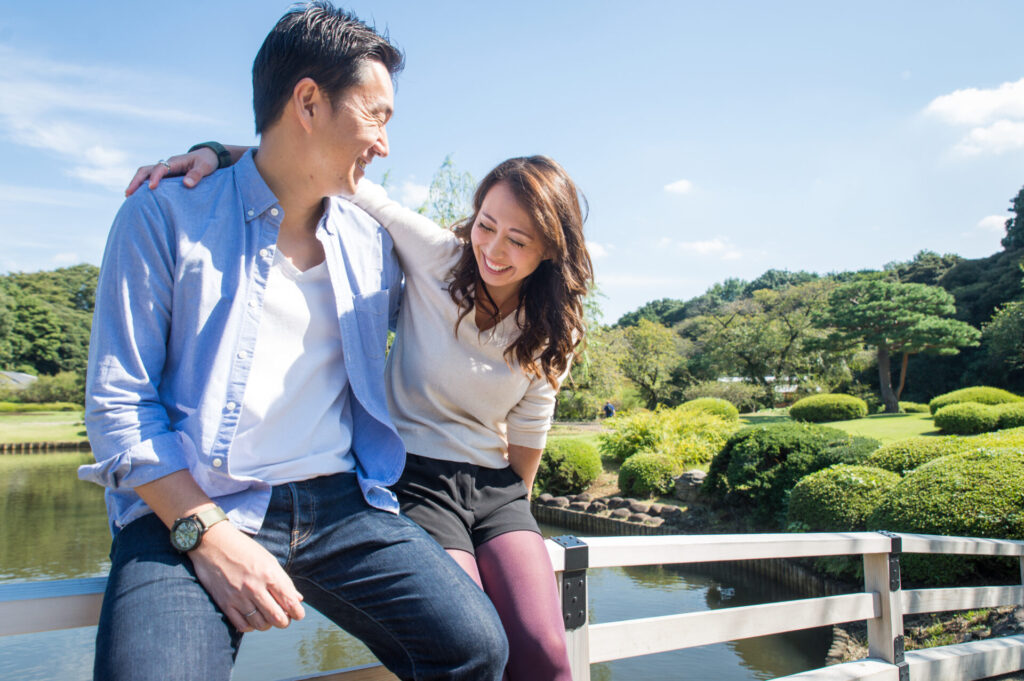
[(307, 103)]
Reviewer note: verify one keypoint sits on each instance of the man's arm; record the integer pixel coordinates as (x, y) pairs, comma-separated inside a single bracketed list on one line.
[(129, 428)]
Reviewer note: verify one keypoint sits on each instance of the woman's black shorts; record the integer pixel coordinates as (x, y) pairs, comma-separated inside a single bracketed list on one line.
[(462, 505)]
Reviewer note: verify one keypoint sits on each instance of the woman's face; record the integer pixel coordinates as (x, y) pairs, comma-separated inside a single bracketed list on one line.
[(506, 244)]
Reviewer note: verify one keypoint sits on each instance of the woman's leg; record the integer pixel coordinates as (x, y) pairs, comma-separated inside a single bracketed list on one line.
[(517, 574), (467, 562)]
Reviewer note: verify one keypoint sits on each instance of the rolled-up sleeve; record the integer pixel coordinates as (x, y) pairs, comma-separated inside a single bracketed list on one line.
[(530, 420), (128, 426)]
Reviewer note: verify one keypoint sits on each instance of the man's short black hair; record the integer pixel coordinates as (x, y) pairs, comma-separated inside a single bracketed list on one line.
[(314, 40)]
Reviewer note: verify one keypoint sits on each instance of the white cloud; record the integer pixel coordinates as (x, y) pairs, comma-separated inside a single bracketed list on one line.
[(596, 250), (679, 187), (717, 247), (82, 113), (993, 223), (995, 117), (413, 195), (66, 259), (973, 106)]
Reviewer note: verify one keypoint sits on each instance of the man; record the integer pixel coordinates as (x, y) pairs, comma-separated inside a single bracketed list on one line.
[(236, 400)]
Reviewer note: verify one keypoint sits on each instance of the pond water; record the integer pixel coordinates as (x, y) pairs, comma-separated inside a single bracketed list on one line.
[(54, 527)]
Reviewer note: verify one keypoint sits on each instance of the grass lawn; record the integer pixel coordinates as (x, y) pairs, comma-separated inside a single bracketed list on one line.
[(43, 426), (883, 427)]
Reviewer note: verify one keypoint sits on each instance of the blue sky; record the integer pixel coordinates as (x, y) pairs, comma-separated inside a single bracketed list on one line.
[(712, 140)]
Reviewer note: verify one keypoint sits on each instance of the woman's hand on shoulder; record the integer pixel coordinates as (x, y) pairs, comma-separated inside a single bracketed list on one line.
[(195, 165)]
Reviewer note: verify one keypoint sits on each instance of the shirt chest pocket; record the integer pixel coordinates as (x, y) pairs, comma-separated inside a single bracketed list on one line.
[(372, 319)]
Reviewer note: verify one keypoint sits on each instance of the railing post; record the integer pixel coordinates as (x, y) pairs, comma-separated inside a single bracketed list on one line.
[(885, 633), (572, 588)]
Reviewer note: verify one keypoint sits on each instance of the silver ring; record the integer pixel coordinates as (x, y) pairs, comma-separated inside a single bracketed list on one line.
[(250, 614), (167, 165)]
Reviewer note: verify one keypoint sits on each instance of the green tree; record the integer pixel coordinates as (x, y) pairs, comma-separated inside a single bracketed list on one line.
[(451, 194), (927, 267), (1015, 226), (648, 354), (35, 336), (1004, 336), (895, 318)]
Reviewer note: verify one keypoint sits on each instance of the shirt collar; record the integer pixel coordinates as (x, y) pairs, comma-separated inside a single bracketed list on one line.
[(256, 195)]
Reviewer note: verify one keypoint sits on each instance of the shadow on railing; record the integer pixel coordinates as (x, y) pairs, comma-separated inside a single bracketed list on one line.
[(49, 606)]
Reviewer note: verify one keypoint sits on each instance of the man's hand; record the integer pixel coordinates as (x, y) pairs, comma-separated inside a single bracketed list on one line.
[(194, 165), (243, 577)]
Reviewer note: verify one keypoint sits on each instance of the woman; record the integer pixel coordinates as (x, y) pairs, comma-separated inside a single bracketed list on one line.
[(491, 317)]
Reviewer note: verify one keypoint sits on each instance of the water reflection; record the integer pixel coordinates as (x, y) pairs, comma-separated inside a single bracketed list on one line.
[(54, 527)]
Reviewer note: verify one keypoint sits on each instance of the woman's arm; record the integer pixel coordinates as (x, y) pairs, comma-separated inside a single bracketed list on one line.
[(525, 461), (194, 165), (418, 239)]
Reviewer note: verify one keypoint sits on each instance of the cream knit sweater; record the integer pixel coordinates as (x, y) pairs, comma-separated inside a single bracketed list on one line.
[(451, 398)]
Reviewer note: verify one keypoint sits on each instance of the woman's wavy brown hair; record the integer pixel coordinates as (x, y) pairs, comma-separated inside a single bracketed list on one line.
[(550, 307)]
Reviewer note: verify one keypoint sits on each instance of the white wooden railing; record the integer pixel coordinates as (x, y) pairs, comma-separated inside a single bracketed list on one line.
[(49, 606)]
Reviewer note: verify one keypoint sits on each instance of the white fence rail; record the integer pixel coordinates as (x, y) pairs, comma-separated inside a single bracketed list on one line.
[(29, 608)]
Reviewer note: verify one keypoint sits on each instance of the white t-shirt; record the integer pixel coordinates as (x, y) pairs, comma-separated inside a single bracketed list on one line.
[(451, 398), (296, 419)]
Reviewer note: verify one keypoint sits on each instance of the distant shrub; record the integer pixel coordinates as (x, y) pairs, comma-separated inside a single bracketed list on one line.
[(688, 435), (647, 474), (839, 498), (973, 494), (967, 418), (714, 406), (632, 432), (820, 408), (1011, 415), (759, 466), (853, 451), (746, 397), (913, 408), (980, 394), (568, 466), (14, 407), (906, 455)]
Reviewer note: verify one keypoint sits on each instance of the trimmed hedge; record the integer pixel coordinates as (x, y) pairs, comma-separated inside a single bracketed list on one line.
[(647, 474), (914, 408), (568, 466), (723, 409), (759, 466), (820, 408), (14, 407), (854, 451), (906, 455), (967, 418), (973, 494), (839, 498), (1011, 415), (979, 394)]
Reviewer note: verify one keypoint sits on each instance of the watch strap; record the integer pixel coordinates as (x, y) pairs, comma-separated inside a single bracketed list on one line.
[(223, 155), (210, 517)]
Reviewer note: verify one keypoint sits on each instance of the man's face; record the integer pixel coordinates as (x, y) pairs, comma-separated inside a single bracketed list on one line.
[(355, 130)]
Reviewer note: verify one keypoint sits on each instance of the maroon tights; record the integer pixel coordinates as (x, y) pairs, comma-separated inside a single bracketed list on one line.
[(515, 571)]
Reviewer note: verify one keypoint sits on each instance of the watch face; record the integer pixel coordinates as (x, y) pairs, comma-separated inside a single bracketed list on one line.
[(185, 534)]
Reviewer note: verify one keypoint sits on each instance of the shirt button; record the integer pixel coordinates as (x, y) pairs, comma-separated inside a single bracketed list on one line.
[(274, 212), (264, 252), (242, 354), (218, 462), (252, 302), (250, 212), (231, 406)]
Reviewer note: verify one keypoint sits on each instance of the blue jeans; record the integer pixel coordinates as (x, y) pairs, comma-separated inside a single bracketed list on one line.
[(375, 574)]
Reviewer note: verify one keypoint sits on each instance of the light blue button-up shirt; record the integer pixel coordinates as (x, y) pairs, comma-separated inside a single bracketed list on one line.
[(178, 307)]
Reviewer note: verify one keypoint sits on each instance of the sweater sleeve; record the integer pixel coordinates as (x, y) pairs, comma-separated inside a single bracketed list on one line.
[(421, 244), (530, 420)]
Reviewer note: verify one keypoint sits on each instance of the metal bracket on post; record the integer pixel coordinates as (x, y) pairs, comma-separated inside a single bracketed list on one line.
[(574, 581), (899, 650), (894, 559), (903, 669)]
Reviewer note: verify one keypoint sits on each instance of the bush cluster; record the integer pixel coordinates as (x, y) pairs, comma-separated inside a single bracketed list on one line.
[(979, 394), (647, 474), (1011, 415), (689, 435), (906, 455), (758, 466), (568, 466), (839, 498), (973, 494), (820, 408), (14, 407), (712, 405), (970, 418), (744, 396), (914, 408), (853, 451)]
